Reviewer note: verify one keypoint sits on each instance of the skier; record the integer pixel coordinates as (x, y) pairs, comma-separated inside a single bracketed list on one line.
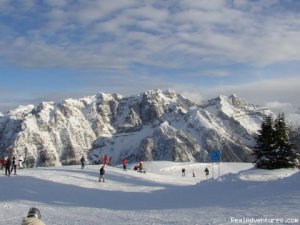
[(3, 162), (103, 160), (124, 161), (102, 173), (141, 167), (14, 165), (206, 172), (21, 159), (33, 217), (82, 160), (183, 172), (7, 167), (106, 160)]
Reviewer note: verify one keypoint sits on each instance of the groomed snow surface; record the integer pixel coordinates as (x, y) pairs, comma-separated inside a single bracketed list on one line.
[(70, 195)]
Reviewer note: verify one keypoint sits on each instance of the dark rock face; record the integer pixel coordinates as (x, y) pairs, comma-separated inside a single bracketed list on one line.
[(155, 125), (168, 143)]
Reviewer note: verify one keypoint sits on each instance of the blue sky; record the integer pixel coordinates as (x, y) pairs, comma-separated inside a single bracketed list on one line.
[(55, 49)]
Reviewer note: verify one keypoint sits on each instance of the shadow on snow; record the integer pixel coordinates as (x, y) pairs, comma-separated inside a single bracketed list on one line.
[(229, 192)]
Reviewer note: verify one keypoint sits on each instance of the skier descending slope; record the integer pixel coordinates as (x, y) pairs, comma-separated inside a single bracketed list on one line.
[(82, 160), (102, 173)]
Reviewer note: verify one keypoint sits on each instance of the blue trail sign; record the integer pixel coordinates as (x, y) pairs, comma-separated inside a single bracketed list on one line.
[(215, 155)]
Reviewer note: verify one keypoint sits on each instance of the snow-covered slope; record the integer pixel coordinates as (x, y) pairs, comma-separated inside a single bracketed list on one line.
[(69, 195), (154, 125)]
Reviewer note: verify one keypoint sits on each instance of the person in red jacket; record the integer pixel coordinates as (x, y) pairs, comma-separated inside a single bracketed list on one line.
[(2, 162), (124, 162), (105, 160)]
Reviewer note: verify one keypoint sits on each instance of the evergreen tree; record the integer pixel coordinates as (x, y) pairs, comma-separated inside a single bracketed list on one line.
[(286, 156), (273, 148), (265, 143)]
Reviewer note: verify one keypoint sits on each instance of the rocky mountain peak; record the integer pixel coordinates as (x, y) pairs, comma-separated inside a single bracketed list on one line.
[(154, 125), (20, 111), (108, 97), (237, 102), (230, 106)]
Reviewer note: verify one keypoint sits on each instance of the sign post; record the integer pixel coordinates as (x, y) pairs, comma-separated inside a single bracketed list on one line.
[(215, 156)]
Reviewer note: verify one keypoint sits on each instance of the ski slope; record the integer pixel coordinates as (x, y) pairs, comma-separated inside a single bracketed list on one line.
[(70, 195)]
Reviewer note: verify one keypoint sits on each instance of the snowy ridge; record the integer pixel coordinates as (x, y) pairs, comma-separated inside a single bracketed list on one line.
[(154, 125), (238, 116)]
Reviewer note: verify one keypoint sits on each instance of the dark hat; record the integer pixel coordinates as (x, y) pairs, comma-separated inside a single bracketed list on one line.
[(34, 212)]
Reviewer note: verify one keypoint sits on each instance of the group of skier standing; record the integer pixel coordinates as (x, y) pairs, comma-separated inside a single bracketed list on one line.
[(10, 165)]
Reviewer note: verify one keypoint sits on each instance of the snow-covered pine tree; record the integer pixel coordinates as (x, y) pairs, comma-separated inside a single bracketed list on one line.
[(286, 156), (265, 142), (273, 148)]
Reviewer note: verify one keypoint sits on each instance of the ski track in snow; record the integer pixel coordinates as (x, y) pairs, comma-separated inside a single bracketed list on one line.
[(70, 195)]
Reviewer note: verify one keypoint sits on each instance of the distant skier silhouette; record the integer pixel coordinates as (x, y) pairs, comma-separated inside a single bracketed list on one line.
[(102, 173), (206, 172), (183, 172), (82, 160)]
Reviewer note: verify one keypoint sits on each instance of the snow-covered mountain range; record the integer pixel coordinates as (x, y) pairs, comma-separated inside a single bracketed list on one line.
[(154, 125)]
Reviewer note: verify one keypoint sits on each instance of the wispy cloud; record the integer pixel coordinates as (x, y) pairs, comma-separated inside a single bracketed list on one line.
[(279, 106), (215, 73), (135, 45), (182, 33), (263, 91)]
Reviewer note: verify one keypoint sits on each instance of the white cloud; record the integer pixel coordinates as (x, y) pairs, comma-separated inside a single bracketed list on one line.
[(290, 111), (207, 73), (194, 95), (284, 90), (277, 106), (216, 73), (117, 35), (147, 13), (196, 33), (208, 5), (56, 3)]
